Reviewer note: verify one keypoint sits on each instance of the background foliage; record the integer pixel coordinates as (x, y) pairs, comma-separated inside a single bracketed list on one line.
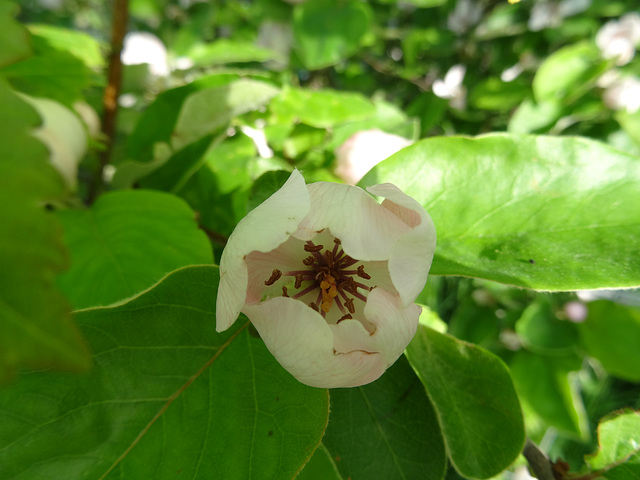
[(525, 153)]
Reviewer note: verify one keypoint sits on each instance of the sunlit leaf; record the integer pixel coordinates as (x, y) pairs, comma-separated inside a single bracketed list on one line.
[(128, 240), (537, 212)]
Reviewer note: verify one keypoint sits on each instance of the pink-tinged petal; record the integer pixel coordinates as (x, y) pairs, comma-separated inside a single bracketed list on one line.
[(411, 256), (395, 324), (367, 231), (389, 327), (263, 229), (302, 342)]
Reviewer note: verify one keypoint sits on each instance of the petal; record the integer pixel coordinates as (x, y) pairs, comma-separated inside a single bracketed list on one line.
[(393, 327), (367, 230), (302, 342), (411, 256), (263, 229)]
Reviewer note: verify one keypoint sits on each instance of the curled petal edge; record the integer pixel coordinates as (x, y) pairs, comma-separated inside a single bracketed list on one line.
[(266, 227)]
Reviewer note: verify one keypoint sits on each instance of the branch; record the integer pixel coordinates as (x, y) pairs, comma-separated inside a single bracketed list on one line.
[(111, 92)]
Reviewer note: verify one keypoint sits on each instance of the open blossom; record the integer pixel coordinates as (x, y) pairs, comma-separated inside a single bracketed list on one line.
[(451, 87), (328, 278)]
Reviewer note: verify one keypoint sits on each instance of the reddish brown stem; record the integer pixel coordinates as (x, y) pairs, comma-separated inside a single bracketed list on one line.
[(111, 92)]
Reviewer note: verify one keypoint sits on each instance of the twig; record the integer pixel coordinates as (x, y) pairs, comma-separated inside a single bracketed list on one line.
[(111, 92), (538, 461)]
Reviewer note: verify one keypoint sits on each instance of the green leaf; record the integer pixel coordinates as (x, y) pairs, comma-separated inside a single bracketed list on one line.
[(475, 401), (159, 119), (619, 455), (125, 243), (494, 94), (320, 467), (320, 108), (228, 51), (35, 322), (79, 44), (329, 31), (387, 429), (205, 111), (568, 73), (168, 397), (537, 212), (51, 72), (545, 387), (531, 117), (611, 333), (541, 331), (14, 38)]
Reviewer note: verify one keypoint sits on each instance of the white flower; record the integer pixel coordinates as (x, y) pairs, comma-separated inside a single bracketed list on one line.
[(622, 93), (144, 47), (451, 87), (328, 278), (466, 14), (618, 38), (364, 150)]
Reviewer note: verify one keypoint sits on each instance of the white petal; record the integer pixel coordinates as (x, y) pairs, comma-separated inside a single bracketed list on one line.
[(303, 343), (366, 229), (411, 255), (263, 229), (395, 324)]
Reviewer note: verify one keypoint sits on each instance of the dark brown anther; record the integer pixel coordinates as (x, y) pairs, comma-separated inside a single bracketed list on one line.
[(344, 317), (350, 306), (284, 291), (314, 306), (275, 275), (362, 274), (336, 240), (309, 260), (310, 247), (298, 281)]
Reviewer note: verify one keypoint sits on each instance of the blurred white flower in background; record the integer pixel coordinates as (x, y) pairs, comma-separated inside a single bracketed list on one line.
[(451, 87), (551, 14), (364, 150), (144, 47), (63, 134), (466, 14), (621, 92), (618, 39)]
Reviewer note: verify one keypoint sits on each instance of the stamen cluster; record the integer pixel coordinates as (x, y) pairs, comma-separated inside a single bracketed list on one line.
[(332, 273)]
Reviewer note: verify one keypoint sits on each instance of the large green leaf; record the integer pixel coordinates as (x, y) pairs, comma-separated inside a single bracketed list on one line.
[(329, 31), (475, 401), (611, 333), (35, 322), (387, 429), (533, 211), (126, 242), (619, 455), (168, 397)]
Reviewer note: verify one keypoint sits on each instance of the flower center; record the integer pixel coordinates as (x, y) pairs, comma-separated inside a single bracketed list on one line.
[(332, 274)]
